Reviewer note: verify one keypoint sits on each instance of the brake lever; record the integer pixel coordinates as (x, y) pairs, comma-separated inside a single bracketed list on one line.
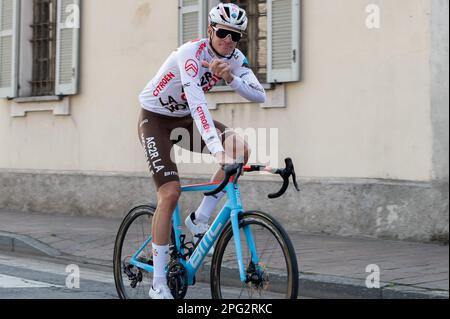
[(229, 170), (294, 179), (238, 174), (219, 188), (285, 174)]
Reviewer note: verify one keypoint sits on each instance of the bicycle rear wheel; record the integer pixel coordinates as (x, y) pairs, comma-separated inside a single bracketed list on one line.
[(132, 282), (275, 276)]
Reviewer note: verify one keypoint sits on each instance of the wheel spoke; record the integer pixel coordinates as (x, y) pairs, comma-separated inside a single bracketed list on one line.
[(276, 271), (132, 238)]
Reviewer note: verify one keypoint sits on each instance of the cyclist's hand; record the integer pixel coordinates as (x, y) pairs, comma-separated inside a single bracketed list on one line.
[(220, 69)]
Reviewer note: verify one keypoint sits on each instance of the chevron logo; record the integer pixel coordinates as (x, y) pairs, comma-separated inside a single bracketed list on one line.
[(191, 68)]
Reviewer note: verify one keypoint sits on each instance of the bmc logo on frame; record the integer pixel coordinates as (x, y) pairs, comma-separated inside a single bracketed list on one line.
[(191, 68)]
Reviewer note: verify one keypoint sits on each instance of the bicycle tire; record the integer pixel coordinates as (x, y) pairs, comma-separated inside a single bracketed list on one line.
[(132, 216), (275, 228)]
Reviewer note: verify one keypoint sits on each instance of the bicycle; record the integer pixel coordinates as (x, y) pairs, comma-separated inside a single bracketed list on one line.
[(254, 274)]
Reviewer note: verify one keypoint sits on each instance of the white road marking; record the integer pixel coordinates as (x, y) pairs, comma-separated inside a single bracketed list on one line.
[(16, 282), (56, 269)]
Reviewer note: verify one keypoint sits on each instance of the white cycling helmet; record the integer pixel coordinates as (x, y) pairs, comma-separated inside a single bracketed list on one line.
[(230, 15)]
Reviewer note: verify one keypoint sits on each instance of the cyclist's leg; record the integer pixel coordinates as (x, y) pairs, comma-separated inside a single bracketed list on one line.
[(168, 195), (154, 133), (234, 146)]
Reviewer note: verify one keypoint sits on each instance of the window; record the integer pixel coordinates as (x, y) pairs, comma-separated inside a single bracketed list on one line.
[(44, 47), (254, 44), (39, 46), (272, 43)]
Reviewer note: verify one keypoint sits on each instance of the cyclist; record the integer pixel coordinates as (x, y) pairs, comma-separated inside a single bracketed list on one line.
[(174, 99)]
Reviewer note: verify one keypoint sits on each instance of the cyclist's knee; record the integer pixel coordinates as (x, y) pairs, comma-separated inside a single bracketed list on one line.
[(237, 147), (243, 152), (247, 152), (169, 193)]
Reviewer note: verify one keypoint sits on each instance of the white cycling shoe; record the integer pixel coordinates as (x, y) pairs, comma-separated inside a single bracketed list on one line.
[(162, 292), (197, 230)]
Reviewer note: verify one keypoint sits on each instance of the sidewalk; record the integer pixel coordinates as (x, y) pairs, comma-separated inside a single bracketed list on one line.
[(331, 267)]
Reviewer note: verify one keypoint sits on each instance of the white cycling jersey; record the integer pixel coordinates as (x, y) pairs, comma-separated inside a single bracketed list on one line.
[(180, 85)]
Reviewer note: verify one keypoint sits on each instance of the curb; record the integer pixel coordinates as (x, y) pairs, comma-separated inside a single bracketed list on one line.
[(310, 285), (11, 242), (23, 244), (337, 287)]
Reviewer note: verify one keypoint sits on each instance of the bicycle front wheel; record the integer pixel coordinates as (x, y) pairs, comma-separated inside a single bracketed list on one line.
[(274, 276)]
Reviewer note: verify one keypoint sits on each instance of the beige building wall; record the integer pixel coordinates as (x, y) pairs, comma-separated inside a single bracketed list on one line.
[(361, 110)]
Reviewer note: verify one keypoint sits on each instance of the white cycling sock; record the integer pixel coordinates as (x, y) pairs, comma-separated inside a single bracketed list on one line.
[(160, 260), (203, 213)]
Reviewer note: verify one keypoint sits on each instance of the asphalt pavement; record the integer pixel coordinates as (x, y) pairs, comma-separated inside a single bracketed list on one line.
[(330, 266)]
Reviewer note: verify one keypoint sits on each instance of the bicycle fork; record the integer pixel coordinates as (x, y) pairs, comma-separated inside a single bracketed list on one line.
[(237, 243), (236, 202)]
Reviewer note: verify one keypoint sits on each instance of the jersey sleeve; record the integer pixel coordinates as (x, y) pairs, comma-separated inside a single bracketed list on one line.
[(189, 67), (246, 84)]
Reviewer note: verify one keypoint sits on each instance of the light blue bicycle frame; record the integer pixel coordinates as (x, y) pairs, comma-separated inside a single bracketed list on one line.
[(231, 210)]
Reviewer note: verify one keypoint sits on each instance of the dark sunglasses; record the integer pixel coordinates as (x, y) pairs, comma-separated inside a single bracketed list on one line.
[(223, 33)]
